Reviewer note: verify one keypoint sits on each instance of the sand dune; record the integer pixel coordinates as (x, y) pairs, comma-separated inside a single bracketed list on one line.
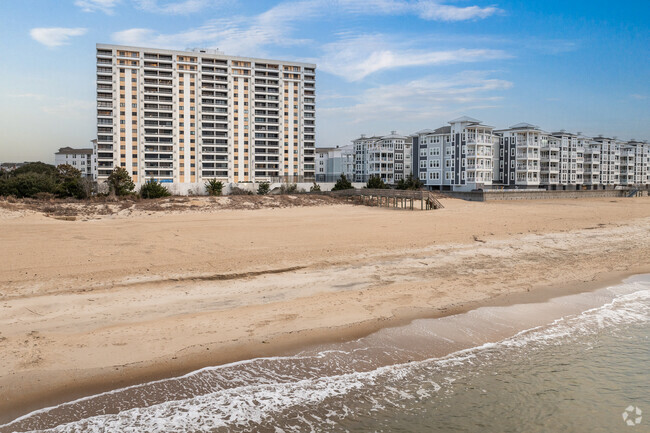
[(93, 305)]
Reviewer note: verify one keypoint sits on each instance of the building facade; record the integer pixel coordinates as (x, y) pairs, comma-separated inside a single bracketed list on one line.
[(332, 162), (388, 157), (460, 156), (468, 155), (84, 160), (188, 116)]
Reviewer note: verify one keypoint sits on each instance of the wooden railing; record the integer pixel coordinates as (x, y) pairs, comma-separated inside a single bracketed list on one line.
[(392, 198)]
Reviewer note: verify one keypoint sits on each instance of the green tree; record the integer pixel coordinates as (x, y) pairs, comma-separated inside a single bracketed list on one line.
[(375, 182), (314, 188), (29, 184), (214, 187), (410, 183), (37, 177), (263, 188), (119, 182), (153, 189), (36, 167), (71, 184), (342, 183)]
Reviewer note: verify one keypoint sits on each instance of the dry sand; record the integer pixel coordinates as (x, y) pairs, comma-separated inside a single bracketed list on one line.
[(93, 305)]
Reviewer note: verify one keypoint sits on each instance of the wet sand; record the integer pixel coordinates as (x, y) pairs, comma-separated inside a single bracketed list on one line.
[(94, 305)]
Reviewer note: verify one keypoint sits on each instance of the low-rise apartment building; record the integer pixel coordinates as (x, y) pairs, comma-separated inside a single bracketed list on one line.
[(520, 151), (84, 160), (610, 160), (332, 162), (388, 157), (460, 156)]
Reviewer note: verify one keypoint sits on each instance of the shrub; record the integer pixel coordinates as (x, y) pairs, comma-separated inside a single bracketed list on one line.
[(29, 184), (375, 182), (342, 183), (314, 188), (263, 188), (153, 189), (44, 196), (410, 183), (288, 188), (214, 187), (235, 190), (120, 183), (37, 177)]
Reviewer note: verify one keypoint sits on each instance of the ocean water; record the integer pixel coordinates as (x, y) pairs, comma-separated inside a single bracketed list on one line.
[(572, 364)]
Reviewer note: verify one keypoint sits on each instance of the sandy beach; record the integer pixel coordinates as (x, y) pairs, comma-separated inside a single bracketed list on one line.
[(103, 302)]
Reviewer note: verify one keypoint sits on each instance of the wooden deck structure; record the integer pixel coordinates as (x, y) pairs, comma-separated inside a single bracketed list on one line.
[(392, 198)]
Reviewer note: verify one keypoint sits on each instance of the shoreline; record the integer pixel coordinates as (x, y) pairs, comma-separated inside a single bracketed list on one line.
[(109, 379), (90, 306)]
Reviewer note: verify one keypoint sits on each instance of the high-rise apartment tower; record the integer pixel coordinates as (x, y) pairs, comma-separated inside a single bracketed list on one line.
[(184, 117)]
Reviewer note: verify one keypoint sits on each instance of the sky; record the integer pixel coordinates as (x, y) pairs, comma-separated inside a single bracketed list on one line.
[(382, 65)]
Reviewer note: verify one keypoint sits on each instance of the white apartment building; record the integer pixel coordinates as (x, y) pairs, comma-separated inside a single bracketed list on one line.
[(388, 157), (332, 162), (634, 163), (610, 160), (641, 161), (183, 117), (562, 161), (469, 155), (520, 151), (592, 164), (84, 160), (459, 157)]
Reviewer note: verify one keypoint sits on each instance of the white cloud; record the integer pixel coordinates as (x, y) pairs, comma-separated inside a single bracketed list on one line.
[(105, 6), (274, 27), (173, 8), (356, 57), (431, 10), (425, 9), (55, 36), (234, 35), (422, 98), (638, 96)]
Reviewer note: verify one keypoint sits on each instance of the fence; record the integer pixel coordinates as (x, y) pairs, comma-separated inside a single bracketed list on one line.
[(392, 198)]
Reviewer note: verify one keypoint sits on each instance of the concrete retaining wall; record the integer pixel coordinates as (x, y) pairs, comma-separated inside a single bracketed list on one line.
[(524, 194), (199, 188)]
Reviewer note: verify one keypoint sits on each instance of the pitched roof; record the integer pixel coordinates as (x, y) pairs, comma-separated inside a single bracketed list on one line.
[(423, 131), (465, 119), (393, 135), (524, 125), (70, 150)]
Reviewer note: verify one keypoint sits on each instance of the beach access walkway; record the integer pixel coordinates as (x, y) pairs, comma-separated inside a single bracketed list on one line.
[(393, 198)]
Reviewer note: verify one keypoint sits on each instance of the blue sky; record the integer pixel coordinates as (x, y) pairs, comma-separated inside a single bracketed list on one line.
[(382, 64)]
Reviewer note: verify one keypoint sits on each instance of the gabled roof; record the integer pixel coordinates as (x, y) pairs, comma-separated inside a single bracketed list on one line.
[(465, 119), (393, 135), (563, 133), (423, 131), (524, 125), (443, 130)]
